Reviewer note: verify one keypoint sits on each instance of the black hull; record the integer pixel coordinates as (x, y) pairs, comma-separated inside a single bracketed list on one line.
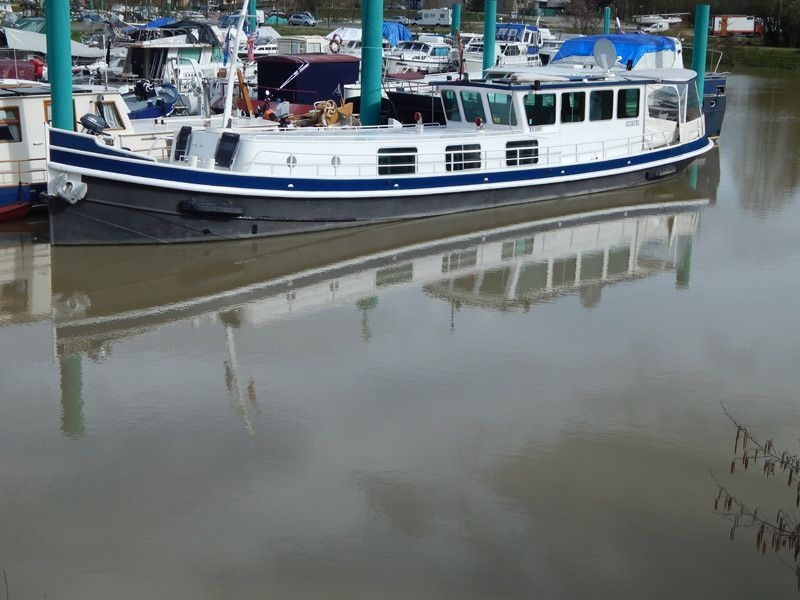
[(714, 111), (122, 213)]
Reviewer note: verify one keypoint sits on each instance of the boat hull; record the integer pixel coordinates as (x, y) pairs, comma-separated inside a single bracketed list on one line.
[(116, 212), (14, 212)]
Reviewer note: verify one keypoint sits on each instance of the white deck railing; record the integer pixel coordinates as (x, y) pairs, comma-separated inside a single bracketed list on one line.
[(340, 162)]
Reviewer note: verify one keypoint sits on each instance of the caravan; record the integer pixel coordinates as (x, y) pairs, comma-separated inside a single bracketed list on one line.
[(434, 17)]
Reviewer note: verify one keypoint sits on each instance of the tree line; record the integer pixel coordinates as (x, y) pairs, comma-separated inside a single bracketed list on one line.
[(781, 18)]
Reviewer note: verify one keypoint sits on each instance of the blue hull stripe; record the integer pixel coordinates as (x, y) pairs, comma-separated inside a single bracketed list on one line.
[(110, 160)]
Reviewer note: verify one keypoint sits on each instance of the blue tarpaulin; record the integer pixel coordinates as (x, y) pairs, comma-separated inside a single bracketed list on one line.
[(395, 32), (156, 23), (629, 46)]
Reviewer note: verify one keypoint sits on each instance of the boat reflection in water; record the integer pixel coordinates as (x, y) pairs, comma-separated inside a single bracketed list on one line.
[(504, 259), (100, 295)]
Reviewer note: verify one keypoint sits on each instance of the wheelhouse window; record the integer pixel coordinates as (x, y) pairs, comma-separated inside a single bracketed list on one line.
[(450, 105), (397, 161), (628, 103), (9, 125), (663, 103), (108, 110), (691, 100), (501, 109), (522, 152), (540, 109), (601, 105), (473, 106), (467, 156), (573, 107)]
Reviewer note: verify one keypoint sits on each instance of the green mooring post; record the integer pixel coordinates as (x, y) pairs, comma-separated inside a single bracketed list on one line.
[(371, 61), (59, 62), (489, 21), (251, 12), (606, 20), (455, 26), (70, 370), (700, 45)]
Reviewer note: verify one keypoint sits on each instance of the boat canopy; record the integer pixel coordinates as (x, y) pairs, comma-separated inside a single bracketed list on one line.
[(392, 32), (629, 46), (29, 41)]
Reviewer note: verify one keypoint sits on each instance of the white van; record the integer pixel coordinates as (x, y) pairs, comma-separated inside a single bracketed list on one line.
[(434, 16), (656, 27)]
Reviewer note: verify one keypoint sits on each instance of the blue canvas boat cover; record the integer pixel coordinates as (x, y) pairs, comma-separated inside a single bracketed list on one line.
[(629, 46), (156, 23), (395, 32)]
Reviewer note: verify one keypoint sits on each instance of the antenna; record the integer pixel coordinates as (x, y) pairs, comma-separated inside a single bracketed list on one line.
[(605, 55)]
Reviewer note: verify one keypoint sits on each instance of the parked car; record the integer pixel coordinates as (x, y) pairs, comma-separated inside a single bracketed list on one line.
[(302, 19), (400, 19)]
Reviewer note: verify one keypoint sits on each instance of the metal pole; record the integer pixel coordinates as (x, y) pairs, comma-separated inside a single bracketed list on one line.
[(59, 59), (606, 20)]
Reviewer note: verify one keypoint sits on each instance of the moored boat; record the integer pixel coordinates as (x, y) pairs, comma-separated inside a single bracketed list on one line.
[(24, 109), (645, 51), (561, 133)]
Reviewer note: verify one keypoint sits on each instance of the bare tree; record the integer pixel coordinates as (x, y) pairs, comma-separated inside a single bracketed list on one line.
[(585, 15), (781, 535)]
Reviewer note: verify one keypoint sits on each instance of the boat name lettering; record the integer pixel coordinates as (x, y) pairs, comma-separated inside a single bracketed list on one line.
[(632, 123)]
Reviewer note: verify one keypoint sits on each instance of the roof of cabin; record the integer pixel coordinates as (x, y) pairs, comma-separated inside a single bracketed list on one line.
[(629, 46)]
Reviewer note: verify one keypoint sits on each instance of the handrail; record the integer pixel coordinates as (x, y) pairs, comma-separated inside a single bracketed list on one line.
[(284, 162)]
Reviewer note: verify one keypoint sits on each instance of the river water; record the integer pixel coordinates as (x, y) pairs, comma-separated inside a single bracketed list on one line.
[(525, 403)]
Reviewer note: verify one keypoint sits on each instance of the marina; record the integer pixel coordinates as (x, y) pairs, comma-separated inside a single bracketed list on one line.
[(510, 354), (331, 413)]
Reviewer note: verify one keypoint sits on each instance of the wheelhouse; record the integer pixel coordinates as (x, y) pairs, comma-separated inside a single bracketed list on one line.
[(664, 111)]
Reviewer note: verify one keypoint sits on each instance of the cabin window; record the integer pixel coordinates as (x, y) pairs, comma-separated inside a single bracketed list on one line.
[(601, 105), (501, 109), (522, 152), (540, 109), (693, 110), (628, 103), (473, 106), (9, 125), (573, 107), (463, 157), (663, 103), (439, 52), (108, 110), (397, 161), (450, 105), (48, 113), (187, 54)]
